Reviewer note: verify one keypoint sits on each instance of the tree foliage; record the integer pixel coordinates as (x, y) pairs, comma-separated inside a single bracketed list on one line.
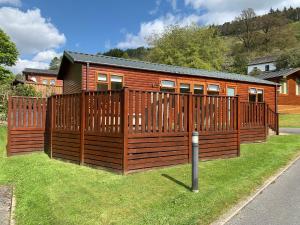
[(8, 55), (289, 59), (189, 46), (132, 53), (55, 63)]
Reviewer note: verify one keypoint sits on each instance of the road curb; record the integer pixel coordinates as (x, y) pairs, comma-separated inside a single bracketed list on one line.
[(238, 207)]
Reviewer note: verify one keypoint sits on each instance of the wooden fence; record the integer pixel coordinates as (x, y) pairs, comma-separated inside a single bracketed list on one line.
[(45, 89), (92, 127), (26, 124), (254, 125)]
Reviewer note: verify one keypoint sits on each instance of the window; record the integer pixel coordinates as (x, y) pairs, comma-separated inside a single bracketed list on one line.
[(252, 94), (297, 86), (185, 88), (198, 89), (283, 87), (116, 82), (213, 89), (267, 67), (167, 86), (45, 82), (52, 82), (260, 95), (33, 79), (102, 82)]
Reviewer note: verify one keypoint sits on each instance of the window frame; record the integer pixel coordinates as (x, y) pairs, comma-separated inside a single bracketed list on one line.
[(267, 66), (200, 84), (47, 81), (235, 87), (118, 75), (175, 88), (286, 91), (217, 84), (263, 94), (108, 76), (187, 83), (54, 82), (297, 91), (256, 94)]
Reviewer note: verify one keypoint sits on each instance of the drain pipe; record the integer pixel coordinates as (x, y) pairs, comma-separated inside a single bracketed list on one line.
[(87, 75)]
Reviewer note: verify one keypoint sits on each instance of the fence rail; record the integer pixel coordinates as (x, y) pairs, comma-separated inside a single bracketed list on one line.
[(273, 120), (214, 113), (252, 114)]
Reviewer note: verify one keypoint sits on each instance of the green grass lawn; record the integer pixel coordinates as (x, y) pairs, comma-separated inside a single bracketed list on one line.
[(53, 192), (289, 120)]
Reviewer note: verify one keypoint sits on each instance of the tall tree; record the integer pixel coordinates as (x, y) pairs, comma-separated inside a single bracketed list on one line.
[(245, 27), (8, 54), (189, 46), (272, 30), (55, 63)]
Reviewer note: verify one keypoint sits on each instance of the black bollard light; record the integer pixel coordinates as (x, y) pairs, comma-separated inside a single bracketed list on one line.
[(195, 159)]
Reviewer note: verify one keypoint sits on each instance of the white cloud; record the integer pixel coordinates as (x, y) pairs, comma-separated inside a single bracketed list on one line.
[(30, 31), (156, 27), (11, 2), (220, 11), (155, 10), (46, 56), (24, 63), (173, 4)]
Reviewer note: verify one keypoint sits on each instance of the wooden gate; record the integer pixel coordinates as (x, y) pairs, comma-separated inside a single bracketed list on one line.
[(26, 125)]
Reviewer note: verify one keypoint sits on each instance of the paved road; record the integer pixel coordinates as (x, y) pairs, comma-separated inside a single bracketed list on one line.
[(289, 131), (278, 204)]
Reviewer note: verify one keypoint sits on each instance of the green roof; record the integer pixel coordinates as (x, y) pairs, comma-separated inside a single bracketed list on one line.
[(141, 65)]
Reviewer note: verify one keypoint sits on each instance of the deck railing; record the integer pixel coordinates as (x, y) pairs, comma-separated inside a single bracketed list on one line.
[(133, 129)]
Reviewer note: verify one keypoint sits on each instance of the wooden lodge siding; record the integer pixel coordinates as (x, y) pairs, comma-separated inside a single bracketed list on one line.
[(150, 81), (72, 79), (291, 98), (132, 130)]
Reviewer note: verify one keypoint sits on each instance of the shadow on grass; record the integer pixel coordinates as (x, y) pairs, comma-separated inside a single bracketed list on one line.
[(176, 181)]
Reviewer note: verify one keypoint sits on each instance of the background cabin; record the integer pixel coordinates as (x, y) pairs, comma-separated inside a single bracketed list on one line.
[(44, 81), (263, 64), (289, 90)]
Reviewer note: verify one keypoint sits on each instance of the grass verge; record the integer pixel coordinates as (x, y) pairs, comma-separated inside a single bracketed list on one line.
[(289, 120), (53, 192)]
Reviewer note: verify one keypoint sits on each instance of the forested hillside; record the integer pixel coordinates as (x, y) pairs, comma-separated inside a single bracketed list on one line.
[(228, 47)]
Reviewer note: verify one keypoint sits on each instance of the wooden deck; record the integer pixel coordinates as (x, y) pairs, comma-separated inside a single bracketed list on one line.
[(91, 127)]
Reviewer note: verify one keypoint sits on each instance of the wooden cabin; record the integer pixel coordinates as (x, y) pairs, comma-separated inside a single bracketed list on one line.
[(127, 115), (97, 72), (44, 81), (289, 90)]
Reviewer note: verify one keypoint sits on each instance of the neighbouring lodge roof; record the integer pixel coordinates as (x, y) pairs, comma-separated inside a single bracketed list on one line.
[(279, 73), (142, 65), (40, 71), (261, 60)]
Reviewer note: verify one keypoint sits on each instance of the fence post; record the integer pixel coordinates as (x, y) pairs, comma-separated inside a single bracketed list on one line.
[(82, 126), (190, 124), (125, 128), (8, 125), (266, 119), (238, 125), (51, 124)]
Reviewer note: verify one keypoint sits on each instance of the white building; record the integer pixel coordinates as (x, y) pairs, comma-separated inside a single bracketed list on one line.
[(264, 64)]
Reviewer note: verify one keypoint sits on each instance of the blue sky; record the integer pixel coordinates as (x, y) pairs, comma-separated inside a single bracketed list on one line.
[(43, 29)]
